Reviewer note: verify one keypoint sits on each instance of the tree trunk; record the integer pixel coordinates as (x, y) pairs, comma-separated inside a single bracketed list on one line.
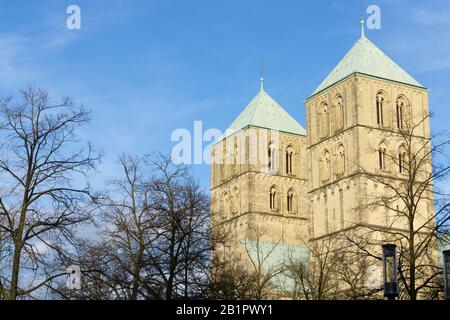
[(18, 246), (412, 263)]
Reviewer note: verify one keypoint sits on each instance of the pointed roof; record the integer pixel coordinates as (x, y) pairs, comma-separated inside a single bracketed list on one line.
[(366, 58), (264, 112)]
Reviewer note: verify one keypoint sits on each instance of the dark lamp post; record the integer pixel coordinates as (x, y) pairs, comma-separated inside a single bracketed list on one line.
[(446, 255), (390, 271)]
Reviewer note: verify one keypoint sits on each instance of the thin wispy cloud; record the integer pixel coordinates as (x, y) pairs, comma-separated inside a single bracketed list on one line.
[(10, 46), (19, 53), (428, 17), (8, 49), (59, 40), (437, 65)]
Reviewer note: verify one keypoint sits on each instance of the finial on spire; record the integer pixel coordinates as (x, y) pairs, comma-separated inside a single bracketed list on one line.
[(362, 28), (261, 79)]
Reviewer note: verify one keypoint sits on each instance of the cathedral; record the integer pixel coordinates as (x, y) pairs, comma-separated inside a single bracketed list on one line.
[(276, 183)]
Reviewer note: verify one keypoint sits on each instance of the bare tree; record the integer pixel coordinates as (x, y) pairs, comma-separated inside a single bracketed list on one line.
[(246, 269), (155, 242), (129, 224), (336, 268), (316, 277), (117, 259), (356, 263), (262, 265), (103, 277), (230, 279), (419, 211), (183, 247), (42, 198)]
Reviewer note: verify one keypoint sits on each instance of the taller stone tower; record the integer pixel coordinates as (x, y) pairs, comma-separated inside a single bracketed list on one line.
[(355, 119)]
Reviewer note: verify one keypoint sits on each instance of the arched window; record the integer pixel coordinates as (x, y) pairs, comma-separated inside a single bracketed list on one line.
[(214, 166), (402, 160), (340, 160), (289, 160), (291, 201), (223, 162), (401, 112), (225, 204), (271, 157), (339, 113), (235, 160), (323, 120), (235, 200), (273, 198), (380, 102), (382, 159), (326, 166)]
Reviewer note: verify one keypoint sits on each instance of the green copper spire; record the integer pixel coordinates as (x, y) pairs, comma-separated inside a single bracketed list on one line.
[(365, 58), (264, 112)]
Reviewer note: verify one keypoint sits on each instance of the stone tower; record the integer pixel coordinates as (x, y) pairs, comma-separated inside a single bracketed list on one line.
[(354, 119), (259, 178)]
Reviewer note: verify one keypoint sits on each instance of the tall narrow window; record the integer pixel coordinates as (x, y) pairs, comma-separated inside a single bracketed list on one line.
[(325, 166), (339, 113), (340, 160), (400, 115), (269, 158), (235, 201), (290, 201), (401, 108), (271, 154), (380, 106), (287, 162), (323, 121), (235, 160), (382, 158), (215, 167), (225, 205), (402, 160), (223, 162), (290, 162), (273, 199), (289, 156)]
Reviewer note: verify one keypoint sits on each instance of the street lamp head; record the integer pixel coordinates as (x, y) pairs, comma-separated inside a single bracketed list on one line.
[(389, 247), (390, 270), (446, 256)]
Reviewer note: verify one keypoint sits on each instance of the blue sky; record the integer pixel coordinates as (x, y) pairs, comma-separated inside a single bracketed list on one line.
[(145, 68)]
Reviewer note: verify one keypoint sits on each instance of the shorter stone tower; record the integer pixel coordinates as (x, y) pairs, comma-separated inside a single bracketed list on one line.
[(259, 180)]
